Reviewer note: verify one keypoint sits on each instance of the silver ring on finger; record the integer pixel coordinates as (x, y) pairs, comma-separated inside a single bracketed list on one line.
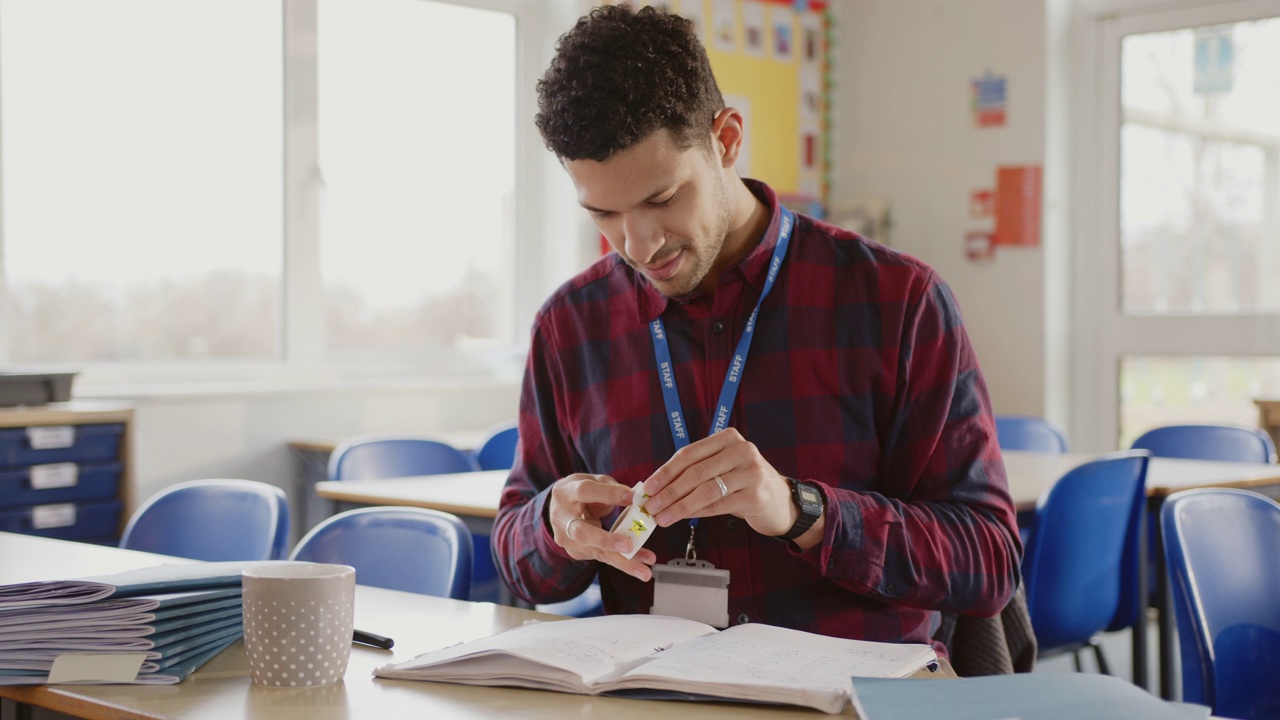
[(724, 489), (568, 527)]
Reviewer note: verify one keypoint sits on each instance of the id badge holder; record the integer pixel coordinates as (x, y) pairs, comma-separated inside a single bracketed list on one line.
[(691, 589)]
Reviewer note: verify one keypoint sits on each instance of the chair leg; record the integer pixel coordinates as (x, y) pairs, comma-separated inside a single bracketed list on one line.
[(1102, 658), (1075, 655)]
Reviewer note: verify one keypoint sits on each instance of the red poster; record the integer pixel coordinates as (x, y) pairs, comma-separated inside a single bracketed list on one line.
[(1018, 206)]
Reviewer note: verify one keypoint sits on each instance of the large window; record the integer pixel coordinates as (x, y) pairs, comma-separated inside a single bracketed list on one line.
[(140, 165), (1181, 256), (417, 150), (204, 189)]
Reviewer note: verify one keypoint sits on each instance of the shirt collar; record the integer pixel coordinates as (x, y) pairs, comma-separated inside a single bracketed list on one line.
[(753, 268)]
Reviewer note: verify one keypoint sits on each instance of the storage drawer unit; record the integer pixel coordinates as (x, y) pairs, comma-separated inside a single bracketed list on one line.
[(59, 483), (64, 470)]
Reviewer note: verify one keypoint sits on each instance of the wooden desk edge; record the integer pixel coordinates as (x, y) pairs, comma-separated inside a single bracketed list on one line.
[(1270, 481), (48, 697), (362, 499)]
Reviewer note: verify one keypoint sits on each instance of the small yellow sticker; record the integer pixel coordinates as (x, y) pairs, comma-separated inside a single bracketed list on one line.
[(637, 526)]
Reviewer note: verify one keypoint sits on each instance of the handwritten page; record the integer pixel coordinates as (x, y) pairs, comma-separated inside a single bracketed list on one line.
[(590, 650)]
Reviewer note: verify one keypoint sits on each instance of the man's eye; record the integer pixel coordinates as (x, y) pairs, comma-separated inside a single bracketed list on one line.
[(663, 203)]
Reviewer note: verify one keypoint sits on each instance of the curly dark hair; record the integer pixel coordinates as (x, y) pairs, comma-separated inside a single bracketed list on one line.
[(620, 75)]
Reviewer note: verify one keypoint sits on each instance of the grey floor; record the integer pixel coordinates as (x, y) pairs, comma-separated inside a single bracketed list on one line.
[(1118, 648)]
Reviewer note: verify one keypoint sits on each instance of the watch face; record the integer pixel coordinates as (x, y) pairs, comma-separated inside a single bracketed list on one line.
[(808, 495)]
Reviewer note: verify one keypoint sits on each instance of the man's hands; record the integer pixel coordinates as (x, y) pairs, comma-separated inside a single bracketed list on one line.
[(577, 504), (686, 487)]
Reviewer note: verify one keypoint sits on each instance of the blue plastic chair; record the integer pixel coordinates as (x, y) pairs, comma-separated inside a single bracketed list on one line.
[(1222, 547), (1033, 434), (1231, 443), (372, 457), (398, 548), (212, 520), (1083, 542), (498, 452), (587, 604)]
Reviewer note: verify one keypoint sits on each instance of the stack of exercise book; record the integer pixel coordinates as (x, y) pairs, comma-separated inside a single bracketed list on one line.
[(150, 626)]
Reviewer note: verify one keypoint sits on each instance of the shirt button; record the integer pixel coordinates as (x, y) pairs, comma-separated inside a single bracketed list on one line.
[(743, 619), (733, 523), (717, 327)]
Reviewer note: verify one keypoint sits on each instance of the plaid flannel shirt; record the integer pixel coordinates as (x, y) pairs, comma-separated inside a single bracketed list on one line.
[(860, 378)]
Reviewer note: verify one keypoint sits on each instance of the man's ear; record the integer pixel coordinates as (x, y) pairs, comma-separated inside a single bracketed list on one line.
[(728, 135)]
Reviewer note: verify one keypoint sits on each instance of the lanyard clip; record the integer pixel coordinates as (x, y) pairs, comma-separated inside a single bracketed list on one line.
[(690, 553)]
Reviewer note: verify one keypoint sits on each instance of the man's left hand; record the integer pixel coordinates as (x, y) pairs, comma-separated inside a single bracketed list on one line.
[(749, 487)]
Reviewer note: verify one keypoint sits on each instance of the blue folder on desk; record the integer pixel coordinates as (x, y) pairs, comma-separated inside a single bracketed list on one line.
[(178, 616), (1028, 696)]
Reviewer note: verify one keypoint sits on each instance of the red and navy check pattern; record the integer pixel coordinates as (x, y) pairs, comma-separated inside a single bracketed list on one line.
[(861, 379)]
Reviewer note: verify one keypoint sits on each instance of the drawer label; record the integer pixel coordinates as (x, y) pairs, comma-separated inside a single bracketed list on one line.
[(44, 517), (51, 437), (54, 475)]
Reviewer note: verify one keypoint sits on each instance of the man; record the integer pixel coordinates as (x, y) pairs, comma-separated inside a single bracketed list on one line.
[(857, 490)]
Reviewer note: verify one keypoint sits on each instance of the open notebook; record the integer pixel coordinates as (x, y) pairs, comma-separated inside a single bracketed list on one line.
[(655, 656)]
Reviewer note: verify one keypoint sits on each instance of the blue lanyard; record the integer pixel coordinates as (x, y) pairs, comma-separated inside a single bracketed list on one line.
[(733, 377)]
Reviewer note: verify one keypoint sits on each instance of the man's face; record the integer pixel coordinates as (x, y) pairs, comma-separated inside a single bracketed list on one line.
[(666, 211)]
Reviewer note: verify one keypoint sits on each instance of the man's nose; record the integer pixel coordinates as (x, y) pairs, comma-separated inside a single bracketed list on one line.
[(643, 237)]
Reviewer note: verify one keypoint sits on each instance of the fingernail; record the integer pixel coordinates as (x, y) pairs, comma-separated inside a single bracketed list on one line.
[(664, 519), (653, 505)]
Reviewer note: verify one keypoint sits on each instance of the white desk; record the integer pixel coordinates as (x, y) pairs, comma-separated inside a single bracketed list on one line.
[(222, 689), (470, 495)]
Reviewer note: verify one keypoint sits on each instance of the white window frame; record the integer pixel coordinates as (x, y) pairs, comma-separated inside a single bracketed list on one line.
[(1103, 334), (551, 241)]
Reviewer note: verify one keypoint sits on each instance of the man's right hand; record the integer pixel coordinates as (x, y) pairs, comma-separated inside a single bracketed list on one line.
[(578, 503)]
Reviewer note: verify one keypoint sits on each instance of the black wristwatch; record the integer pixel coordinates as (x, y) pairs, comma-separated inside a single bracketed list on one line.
[(808, 498)]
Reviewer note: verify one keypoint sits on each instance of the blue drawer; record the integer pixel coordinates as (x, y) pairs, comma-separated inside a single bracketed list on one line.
[(88, 443), (67, 521), (93, 481)]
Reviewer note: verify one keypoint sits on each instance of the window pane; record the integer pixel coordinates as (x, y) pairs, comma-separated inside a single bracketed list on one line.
[(1200, 170), (1159, 390), (141, 146), (417, 145)]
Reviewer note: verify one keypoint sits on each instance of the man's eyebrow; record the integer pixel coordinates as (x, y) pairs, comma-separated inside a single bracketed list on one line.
[(650, 197)]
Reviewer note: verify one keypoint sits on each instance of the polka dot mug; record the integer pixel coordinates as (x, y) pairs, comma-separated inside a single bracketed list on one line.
[(298, 619)]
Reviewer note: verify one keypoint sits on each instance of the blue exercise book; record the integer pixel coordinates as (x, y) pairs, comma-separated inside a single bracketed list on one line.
[(1028, 696), (176, 617), (144, 581)]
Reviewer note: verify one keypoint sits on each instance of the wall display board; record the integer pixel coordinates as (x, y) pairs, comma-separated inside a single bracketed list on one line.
[(772, 60)]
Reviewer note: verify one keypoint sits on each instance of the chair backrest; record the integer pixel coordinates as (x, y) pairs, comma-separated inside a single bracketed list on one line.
[(1083, 541), (1232, 443), (498, 452), (372, 457), (213, 520), (1222, 547), (1023, 432), (399, 548)]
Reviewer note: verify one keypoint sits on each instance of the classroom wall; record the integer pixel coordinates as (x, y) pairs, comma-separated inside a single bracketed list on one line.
[(904, 131), (243, 433)]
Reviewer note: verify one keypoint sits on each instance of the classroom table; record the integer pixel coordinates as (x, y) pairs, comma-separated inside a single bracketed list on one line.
[(222, 689), (311, 466)]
